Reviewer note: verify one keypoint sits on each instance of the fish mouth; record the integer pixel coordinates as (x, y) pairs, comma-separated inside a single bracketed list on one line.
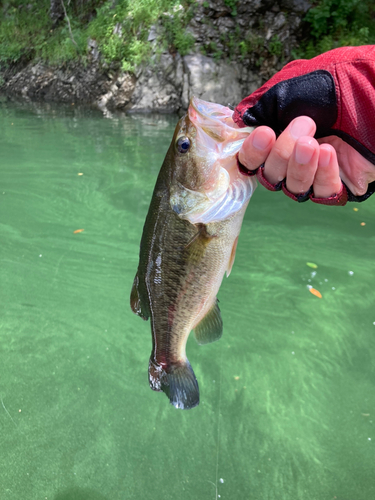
[(208, 109), (218, 137), (215, 120)]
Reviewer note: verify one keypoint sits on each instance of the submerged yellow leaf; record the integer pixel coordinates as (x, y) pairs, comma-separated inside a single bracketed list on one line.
[(311, 264), (355, 209), (315, 292)]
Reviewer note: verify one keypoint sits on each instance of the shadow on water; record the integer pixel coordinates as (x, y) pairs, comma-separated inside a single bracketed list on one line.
[(79, 494)]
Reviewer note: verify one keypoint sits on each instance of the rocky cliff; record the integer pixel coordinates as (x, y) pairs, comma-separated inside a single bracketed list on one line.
[(237, 46)]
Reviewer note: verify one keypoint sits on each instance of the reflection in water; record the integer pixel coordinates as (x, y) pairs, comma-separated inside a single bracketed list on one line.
[(287, 394)]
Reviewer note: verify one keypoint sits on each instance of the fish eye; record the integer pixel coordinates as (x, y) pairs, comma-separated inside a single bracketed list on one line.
[(183, 144)]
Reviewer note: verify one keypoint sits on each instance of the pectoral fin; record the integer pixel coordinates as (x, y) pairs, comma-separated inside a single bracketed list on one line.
[(135, 301), (232, 257), (197, 246), (210, 327)]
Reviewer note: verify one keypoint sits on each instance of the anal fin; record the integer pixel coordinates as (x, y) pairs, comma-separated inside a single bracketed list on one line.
[(135, 301), (210, 327)]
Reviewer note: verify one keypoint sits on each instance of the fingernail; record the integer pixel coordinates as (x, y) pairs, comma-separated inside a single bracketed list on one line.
[(324, 157), (304, 152), (261, 141), (301, 126)]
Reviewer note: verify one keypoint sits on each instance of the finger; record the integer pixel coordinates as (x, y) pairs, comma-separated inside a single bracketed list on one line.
[(327, 180), (302, 165), (256, 147), (276, 166)]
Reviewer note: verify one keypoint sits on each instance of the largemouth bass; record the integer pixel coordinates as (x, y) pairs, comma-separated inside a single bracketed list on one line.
[(189, 241)]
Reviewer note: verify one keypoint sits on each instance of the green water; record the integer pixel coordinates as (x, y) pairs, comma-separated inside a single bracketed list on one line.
[(287, 406)]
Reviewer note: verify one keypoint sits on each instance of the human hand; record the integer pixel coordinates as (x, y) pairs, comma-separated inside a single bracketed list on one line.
[(331, 98), (305, 162)]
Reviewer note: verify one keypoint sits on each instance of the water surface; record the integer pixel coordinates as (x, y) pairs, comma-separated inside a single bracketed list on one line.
[(287, 395)]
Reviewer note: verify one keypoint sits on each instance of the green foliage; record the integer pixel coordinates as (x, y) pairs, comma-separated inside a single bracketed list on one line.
[(119, 27), (18, 37), (177, 37), (239, 46), (59, 46), (338, 23), (232, 4), (331, 16), (107, 29), (275, 47), (26, 31)]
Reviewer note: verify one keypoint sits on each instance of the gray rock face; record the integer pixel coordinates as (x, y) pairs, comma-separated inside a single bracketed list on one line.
[(211, 81), (169, 86), (119, 93), (159, 86), (234, 53), (298, 6), (165, 86), (62, 84)]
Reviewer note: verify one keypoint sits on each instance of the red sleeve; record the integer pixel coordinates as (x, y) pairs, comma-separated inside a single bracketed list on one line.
[(353, 72)]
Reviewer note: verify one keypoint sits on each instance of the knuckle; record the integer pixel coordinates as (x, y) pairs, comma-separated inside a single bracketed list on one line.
[(281, 152), (299, 176), (251, 161)]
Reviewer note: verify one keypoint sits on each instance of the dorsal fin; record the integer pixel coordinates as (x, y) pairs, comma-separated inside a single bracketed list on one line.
[(210, 327)]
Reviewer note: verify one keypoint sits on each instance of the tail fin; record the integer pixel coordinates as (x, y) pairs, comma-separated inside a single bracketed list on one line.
[(178, 383)]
